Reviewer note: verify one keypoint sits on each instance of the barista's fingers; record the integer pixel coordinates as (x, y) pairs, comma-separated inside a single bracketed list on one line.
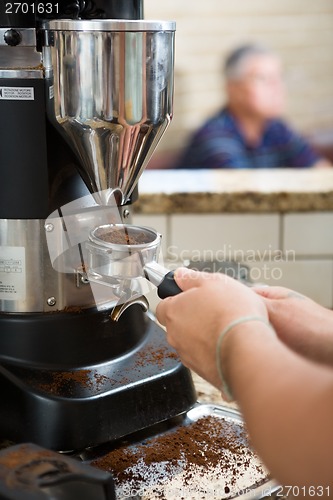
[(162, 310), (272, 292), (188, 278), (261, 290)]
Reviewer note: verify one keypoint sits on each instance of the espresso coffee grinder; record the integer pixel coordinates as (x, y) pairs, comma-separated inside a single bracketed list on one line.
[(85, 95)]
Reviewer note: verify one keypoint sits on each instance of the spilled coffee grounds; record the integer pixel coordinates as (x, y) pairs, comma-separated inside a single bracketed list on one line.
[(209, 445), (65, 381)]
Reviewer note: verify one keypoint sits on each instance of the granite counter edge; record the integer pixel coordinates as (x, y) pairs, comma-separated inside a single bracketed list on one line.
[(234, 202)]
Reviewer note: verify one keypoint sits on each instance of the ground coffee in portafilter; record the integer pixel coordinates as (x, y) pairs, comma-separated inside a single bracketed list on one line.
[(123, 236)]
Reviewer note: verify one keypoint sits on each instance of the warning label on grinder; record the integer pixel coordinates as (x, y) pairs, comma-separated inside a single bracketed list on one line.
[(12, 273), (17, 93)]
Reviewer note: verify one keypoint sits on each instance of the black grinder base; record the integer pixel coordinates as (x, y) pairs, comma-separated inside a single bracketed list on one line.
[(70, 406)]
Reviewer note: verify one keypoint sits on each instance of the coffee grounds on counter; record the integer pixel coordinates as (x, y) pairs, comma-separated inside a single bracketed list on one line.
[(72, 309), (58, 381), (151, 355), (197, 449)]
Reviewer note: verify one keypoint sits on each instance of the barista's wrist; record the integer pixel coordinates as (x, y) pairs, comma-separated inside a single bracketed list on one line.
[(235, 334)]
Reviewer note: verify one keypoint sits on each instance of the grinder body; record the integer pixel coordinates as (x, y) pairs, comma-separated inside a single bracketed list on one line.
[(62, 360)]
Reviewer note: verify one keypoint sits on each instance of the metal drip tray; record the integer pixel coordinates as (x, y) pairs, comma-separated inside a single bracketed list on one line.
[(204, 455)]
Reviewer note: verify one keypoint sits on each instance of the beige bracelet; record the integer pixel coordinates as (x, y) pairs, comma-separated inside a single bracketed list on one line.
[(225, 389)]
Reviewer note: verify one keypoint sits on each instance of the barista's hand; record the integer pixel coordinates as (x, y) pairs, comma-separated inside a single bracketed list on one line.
[(195, 318), (299, 322)]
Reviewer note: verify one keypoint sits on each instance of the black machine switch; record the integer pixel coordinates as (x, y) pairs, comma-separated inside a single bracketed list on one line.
[(12, 37)]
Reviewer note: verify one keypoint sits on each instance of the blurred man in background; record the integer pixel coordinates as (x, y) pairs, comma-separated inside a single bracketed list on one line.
[(249, 132)]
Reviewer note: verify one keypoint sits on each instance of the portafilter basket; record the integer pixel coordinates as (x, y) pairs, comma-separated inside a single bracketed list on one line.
[(123, 251)]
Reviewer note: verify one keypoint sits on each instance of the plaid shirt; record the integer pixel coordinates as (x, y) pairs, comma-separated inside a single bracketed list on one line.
[(219, 143)]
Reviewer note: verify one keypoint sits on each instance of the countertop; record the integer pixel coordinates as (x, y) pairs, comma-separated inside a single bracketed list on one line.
[(216, 191), (207, 393)]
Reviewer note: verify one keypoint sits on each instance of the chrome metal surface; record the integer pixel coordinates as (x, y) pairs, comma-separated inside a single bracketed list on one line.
[(22, 73), (21, 258), (20, 58), (51, 301), (119, 309), (113, 92), (154, 272), (27, 279), (109, 25)]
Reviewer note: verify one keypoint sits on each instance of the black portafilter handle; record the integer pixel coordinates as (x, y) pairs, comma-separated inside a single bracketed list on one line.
[(168, 286), (163, 279)]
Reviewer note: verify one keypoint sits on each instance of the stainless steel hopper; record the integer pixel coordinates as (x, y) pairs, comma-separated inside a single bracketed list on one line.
[(113, 93)]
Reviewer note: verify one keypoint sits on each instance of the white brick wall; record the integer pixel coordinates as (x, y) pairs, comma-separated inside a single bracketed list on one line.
[(304, 261), (309, 234), (191, 235)]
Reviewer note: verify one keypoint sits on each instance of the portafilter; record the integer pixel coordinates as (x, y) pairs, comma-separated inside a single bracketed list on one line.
[(123, 251)]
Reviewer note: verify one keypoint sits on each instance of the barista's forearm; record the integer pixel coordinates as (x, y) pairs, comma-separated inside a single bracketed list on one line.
[(286, 402)]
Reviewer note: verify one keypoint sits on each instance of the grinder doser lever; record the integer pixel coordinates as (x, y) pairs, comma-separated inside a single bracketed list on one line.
[(120, 251)]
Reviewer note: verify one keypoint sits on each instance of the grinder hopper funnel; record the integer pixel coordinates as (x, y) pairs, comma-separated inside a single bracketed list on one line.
[(113, 94)]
